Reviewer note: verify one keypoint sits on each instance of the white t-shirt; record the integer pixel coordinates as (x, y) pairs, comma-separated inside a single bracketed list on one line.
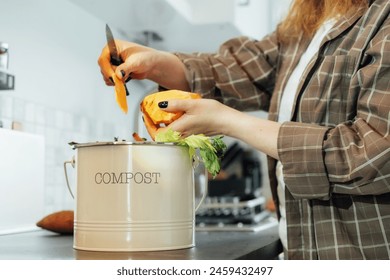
[(285, 111)]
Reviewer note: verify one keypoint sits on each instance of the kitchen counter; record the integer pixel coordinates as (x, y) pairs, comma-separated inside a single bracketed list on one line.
[(210, 245)]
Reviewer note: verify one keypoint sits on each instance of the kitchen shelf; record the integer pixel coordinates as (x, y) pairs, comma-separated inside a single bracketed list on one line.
[(7, 80)]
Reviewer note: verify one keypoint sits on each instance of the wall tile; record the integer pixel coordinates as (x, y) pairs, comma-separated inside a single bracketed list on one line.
[(59, 128)]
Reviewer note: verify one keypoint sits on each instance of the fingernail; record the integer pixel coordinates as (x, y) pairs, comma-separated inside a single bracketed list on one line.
[(128, 78), (123, 73), (112, 80), (163, 104)]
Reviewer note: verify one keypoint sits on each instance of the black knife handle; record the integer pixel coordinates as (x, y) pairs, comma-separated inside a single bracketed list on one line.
[(116, 61)]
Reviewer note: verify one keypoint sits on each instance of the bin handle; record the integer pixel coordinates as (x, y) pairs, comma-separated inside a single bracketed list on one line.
[(71, 162), (204, 193), (195, 162)]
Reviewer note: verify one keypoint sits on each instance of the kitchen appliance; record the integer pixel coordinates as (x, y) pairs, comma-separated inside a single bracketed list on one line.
[(235, 202), (133, 196)]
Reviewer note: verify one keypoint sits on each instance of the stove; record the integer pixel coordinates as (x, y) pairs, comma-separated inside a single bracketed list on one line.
[(234, 201), (233, 214)]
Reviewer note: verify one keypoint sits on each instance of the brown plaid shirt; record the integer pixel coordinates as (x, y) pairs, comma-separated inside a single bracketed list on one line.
[(336, 149)]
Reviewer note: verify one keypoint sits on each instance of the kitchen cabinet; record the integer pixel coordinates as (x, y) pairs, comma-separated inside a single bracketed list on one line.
[(210, 245)]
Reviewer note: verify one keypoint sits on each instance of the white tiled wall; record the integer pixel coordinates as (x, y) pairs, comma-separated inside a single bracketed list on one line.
[(58, 127)]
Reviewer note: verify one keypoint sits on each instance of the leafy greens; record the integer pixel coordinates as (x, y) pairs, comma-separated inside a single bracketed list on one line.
[(210, 148)]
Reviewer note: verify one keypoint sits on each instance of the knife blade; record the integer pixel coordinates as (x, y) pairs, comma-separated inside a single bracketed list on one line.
[(115, 59)]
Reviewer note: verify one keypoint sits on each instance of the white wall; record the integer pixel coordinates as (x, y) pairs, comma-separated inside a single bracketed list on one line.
[(197, 31), (59, 92), (252, 18), (256, 18), (54, 47)]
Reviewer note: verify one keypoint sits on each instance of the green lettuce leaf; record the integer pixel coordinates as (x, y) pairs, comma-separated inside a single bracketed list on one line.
[(210, 149)]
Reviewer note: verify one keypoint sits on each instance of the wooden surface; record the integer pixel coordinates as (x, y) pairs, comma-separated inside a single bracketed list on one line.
[(210, 245)]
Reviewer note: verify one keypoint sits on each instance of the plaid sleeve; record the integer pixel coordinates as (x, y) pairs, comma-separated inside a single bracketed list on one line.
[(240, 75), (300, 148)]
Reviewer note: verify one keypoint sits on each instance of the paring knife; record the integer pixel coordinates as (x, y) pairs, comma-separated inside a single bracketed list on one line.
[(115, 58)]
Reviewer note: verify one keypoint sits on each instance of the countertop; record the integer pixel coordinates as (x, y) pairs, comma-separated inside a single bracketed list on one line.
[(210, 245)]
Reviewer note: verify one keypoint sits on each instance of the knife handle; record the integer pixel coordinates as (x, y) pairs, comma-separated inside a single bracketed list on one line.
[(116, 61)]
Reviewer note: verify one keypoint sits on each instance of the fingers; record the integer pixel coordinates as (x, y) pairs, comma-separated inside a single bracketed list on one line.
[(135, 65), (106, 68), (122, 70), (122, 73), (137, 62), (199, 116), (176, 105)]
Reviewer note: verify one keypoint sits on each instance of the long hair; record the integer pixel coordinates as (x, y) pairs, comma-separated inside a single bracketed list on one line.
[(306, 16)]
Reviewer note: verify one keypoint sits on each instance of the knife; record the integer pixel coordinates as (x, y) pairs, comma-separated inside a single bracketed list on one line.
[(115, 59)]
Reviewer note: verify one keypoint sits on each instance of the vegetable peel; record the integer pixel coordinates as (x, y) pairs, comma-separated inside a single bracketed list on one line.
[(120, 93)]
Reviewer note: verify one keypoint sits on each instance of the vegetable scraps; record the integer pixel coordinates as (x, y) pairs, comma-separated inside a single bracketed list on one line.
[(210, 149), (154, 117)]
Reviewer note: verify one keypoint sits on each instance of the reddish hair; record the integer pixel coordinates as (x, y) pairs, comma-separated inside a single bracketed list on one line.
[(306, 16)]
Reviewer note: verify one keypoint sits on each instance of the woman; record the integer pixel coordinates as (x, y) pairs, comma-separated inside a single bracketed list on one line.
[(323, 76)]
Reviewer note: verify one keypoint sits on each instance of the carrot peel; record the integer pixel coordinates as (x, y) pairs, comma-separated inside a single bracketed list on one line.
[(120, 93)]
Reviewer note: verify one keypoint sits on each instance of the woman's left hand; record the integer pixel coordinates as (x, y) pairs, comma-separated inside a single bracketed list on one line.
[(205, 116)]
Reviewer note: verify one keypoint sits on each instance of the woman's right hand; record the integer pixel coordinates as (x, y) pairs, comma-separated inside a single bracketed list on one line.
[(141, 62)]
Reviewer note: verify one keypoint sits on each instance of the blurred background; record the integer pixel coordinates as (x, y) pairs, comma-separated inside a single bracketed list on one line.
[(52, 92)]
